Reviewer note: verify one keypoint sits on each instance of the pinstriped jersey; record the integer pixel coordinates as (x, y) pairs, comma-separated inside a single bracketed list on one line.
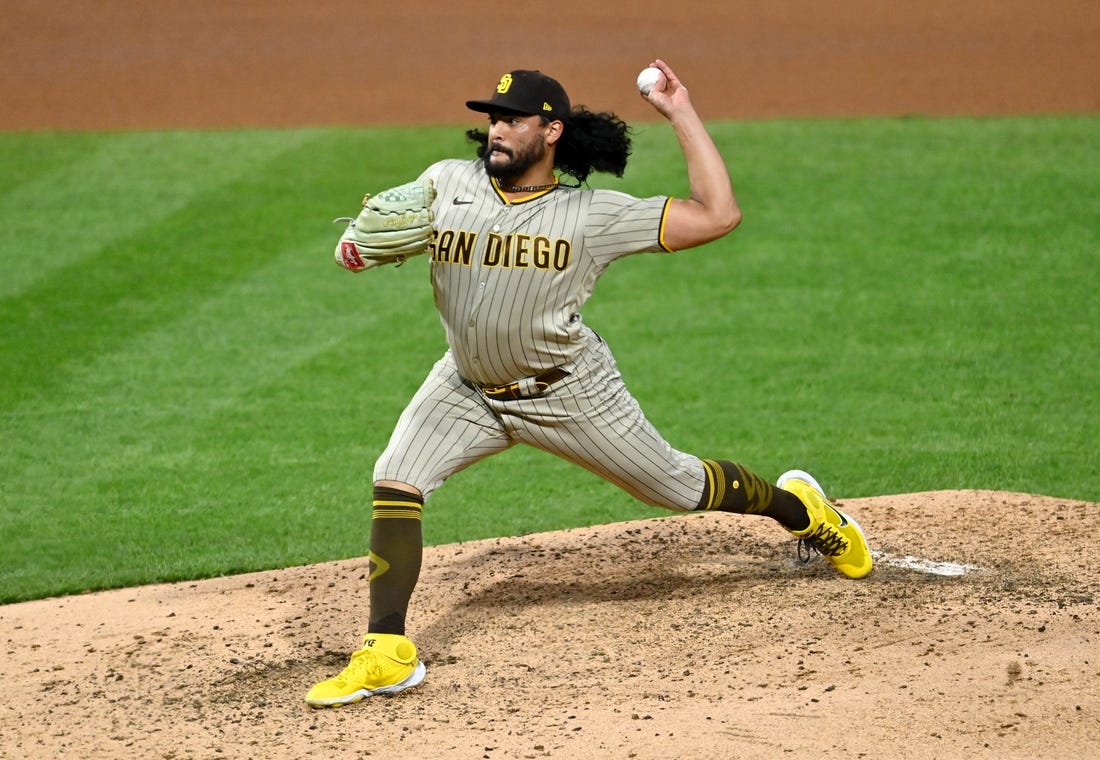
[(510, 278)]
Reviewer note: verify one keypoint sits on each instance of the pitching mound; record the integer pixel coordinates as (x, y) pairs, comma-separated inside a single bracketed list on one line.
[(689, 636)]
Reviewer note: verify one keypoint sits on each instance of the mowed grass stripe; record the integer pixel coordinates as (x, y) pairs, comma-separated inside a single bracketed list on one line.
[(114, 192)]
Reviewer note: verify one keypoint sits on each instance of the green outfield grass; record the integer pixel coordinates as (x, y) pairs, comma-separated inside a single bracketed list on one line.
[(190, 387)]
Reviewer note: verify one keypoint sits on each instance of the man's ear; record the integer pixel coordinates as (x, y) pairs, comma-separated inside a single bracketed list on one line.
[(554, 131)]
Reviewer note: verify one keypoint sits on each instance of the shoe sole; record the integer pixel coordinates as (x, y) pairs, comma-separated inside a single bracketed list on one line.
[(801, 475), (414, 679)]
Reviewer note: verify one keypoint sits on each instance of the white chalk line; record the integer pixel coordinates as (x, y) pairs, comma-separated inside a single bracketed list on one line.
[(924, 565)]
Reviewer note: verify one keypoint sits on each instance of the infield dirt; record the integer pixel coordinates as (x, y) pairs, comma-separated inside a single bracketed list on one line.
[(695, 636)]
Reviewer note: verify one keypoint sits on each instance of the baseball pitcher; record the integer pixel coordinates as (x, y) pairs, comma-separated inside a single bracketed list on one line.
[(516, 246)]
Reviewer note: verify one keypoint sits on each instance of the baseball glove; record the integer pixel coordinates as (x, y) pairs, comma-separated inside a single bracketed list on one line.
[(393, 226)]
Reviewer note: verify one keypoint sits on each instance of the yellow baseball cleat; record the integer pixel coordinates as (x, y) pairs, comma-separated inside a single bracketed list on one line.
[(831, 532), (386, 664)]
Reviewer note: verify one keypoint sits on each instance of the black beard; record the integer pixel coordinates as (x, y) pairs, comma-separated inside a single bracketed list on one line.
[(517, 164)]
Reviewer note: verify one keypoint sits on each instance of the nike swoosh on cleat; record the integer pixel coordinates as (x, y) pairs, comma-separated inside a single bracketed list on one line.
[(457, 202)]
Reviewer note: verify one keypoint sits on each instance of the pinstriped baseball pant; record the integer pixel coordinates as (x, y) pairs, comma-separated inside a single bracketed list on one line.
[(589, 418)]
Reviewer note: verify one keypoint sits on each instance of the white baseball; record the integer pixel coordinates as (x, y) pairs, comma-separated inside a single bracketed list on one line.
[(649, 78)]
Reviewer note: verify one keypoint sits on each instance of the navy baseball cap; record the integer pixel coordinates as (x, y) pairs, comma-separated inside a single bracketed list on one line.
[(526, 92)]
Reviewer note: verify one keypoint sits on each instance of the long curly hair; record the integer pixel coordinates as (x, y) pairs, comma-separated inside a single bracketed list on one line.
[(590, 142)]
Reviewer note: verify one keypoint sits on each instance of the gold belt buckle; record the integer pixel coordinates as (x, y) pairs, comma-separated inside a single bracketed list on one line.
[(528, 387), (511, 390)]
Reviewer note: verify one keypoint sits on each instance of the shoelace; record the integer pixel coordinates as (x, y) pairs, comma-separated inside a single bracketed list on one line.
[(826, 540)]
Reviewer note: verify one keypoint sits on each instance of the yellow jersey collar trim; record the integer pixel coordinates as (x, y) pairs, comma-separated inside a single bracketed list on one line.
[(524, 198)]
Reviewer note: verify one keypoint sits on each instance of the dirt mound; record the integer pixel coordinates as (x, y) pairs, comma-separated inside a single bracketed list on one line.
[(692, 636)]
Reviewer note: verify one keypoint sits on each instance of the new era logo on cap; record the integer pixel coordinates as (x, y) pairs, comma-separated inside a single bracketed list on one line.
[(526, 92)]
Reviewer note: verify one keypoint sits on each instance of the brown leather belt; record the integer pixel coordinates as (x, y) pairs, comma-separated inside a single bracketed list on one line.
[(529, 387)]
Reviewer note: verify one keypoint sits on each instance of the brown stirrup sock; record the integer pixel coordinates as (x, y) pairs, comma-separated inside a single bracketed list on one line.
[(729, 487), (396, 548)]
